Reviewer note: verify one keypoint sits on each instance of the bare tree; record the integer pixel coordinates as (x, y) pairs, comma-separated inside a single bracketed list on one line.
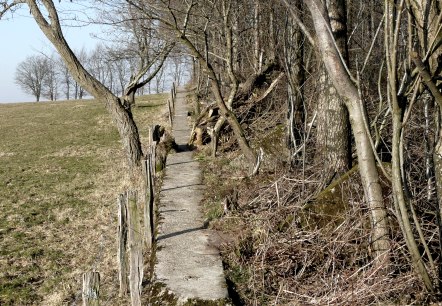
[(177, 19), (332, 137), (97, 65), (46, 15), (31, 74), (66, 80), (139, 44), (347, 88), (50, 88), (83, 57)]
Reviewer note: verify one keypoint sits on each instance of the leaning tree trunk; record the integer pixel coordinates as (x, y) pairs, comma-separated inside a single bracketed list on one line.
[(332, 137), (121, 116), (428, 73), (428, 30), (224, 108), (391, 37), (367, 165)]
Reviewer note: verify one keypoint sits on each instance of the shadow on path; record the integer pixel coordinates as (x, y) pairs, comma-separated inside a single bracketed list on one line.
[(183, 186), (180, 233), (186, 262)]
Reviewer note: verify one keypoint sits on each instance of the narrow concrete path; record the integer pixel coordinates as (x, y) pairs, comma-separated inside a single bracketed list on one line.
[(186, 264)]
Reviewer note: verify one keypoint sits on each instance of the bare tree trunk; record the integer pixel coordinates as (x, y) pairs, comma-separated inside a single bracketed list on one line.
[(332, 135), (428, 72), (295, 71), (332, 138), (225, 108), (367, 165), (135, 80), (122, 117), (437, 160), (256, 50)]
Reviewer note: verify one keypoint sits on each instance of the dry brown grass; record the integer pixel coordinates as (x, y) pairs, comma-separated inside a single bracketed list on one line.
[(286, 249), (62, 169)]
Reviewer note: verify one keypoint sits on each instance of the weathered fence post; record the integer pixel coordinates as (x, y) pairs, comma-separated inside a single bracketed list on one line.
[(152, 165), (170, 112), (149, 225), (152, 146), (214, 141), (91, 289), (173, 94), (135, 250), (122, 243)]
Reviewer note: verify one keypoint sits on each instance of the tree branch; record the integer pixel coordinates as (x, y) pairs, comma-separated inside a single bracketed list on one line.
[(300, 24), (8, 7), (426, 77), (271, 87)]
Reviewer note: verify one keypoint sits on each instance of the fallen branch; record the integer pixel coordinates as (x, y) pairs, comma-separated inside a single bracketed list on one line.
[(271, 87)]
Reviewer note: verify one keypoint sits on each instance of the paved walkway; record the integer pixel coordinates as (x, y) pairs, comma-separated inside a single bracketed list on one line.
[(186, 264)]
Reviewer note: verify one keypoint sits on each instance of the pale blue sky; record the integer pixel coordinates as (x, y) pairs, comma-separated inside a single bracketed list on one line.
[(21, 37)]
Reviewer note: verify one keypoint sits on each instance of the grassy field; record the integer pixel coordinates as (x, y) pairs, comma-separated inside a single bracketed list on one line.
[(61, 168)]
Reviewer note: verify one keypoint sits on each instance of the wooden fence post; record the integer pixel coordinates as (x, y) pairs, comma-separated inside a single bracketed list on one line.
[(149, 225), (214, 140), (135, 250), (170, 112), (152, 146), (152, 184), (91, 289), (122, 243), (173, 94)]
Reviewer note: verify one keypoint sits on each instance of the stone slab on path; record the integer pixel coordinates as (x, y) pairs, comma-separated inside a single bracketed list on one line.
[(186, 264)]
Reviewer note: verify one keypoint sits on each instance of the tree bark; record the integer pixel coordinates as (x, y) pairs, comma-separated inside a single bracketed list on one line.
[(332, 137), (367, 165), (91, 289), (257, 48)]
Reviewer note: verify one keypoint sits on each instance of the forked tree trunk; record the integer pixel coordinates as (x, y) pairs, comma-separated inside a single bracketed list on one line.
[(428, 73), (367, 164), (130, 98), (121, 116), (402, 205), (135, 83)]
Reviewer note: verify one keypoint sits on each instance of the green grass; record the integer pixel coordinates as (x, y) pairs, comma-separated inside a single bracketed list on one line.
[(60, 172)]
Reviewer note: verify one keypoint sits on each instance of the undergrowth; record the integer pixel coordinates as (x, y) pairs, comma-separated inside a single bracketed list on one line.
[(279, 248), (285, 240)]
